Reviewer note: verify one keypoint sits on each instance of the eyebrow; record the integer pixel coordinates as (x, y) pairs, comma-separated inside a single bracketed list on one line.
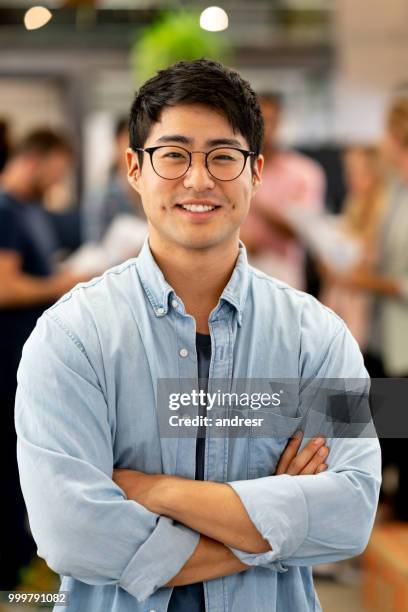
[(216, 142), (175, 138)]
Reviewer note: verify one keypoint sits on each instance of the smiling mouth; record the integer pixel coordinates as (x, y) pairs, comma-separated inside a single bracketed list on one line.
[(198, 208)]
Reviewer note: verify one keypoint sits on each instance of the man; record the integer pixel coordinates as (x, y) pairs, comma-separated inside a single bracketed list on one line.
[(387, 283), (289, 179), (248, 534), (28, 285), (117, 197)]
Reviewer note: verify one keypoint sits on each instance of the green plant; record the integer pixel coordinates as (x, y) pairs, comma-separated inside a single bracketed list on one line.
[(175, 36)]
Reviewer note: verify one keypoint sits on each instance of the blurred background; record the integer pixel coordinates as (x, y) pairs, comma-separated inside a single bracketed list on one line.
[(331, 216)]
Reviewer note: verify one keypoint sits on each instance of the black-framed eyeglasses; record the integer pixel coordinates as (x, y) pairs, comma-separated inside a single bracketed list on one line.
[(172, 162)]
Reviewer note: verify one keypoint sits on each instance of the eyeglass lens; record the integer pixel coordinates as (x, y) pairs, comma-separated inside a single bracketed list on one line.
[(172, 162)]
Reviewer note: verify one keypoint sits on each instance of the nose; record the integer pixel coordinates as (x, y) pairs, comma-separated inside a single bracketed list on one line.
[(197, 176)]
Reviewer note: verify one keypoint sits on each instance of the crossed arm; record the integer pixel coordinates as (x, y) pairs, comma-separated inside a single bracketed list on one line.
[(214, 510)]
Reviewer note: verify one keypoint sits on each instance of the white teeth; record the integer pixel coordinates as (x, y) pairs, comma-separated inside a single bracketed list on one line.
[(197, 207)]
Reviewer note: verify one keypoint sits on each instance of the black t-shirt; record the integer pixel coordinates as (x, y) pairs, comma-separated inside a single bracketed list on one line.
[(24, 228), (190, 598)]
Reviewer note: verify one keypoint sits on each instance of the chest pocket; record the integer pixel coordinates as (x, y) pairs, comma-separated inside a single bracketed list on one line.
[(268, 440)]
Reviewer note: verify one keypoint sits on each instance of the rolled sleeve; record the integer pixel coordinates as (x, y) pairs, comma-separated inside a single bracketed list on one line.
[(82, 522), (277, 507), (147, 571), (324, 517), (315, 519)]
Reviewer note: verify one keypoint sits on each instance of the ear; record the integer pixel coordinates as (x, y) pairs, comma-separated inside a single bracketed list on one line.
[(257, 173), (134, 169)]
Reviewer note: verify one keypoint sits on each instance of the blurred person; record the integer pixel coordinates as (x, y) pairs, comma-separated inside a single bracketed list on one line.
[(387, 346), (28, 284), (128, 516), (116, 198), (363, 211), (289, 179), (114, 223)]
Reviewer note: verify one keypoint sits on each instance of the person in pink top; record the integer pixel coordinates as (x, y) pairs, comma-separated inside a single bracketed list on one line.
[(289, 179)]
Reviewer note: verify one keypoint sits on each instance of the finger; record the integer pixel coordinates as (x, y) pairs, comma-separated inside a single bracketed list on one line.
[(317, 460), (321, 468), (289, 453), (305, 456)]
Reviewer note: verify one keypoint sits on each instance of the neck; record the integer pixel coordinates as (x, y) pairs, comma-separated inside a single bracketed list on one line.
[(198, 276)]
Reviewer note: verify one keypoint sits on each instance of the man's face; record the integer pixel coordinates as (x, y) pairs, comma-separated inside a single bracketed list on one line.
[(196, 128), (50, 170)]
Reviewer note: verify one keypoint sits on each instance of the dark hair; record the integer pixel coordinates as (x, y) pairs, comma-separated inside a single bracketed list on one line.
[(201, 81), (42, 142)]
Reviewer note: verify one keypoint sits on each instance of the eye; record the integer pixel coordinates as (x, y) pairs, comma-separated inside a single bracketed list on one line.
[(224, 157), (174, 155)]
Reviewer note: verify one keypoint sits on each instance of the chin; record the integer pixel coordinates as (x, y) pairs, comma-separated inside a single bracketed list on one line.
[(204, 242), (198, 245)]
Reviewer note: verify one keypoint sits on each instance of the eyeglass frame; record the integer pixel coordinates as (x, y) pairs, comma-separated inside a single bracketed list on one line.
[(151, 150)]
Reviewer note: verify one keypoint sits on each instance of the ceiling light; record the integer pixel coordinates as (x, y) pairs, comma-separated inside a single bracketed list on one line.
[(214, 19), (36, 17)]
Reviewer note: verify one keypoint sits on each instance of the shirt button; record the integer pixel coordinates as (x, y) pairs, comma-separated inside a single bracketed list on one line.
[(174, 303), (183, 352), (160, 311)]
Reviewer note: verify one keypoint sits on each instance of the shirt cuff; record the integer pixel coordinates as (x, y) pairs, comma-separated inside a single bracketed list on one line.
[(277, 507), (265, 559), (159, 559)]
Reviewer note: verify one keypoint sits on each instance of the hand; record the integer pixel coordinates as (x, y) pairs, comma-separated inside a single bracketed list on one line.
[(310, 460), (140, 487)]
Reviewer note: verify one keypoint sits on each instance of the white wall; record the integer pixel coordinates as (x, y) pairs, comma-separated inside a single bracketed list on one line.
[(28, 103)]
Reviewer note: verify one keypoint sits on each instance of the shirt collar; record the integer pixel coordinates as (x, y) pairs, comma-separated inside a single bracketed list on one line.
[(158, 290)]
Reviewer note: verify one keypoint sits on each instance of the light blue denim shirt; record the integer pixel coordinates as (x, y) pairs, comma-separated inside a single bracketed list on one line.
[(86, 403)]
